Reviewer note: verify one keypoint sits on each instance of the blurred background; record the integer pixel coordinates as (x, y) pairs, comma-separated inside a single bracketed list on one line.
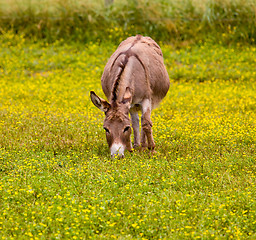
[(228, 21)]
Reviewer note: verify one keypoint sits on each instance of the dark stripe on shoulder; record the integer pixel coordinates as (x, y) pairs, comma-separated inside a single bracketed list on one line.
[(121, 65)]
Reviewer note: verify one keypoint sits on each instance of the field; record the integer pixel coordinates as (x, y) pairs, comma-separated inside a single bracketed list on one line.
[(57, 180)]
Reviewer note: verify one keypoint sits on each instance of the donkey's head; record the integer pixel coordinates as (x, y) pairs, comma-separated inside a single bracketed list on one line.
[(117, 123)]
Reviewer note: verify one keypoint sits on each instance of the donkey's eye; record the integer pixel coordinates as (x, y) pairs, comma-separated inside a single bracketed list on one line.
[(126, 129), (107, 131)]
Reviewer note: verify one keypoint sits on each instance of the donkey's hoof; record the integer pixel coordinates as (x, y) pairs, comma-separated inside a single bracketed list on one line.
[(136, 146), (153, 151), (142, 149)]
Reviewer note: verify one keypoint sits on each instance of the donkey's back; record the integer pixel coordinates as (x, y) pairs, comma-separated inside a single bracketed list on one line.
[(141, 61)]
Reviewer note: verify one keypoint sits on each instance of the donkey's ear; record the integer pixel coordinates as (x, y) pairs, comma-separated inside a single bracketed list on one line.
[(99, 102), (127, 98)]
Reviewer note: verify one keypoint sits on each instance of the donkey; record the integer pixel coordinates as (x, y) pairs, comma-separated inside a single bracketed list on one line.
[(134, 79)]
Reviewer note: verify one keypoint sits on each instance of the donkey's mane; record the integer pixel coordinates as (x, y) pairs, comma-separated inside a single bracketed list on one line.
[(117, 114)]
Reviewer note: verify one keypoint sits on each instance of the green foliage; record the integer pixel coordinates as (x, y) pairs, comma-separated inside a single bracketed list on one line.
[(169, 21), (57, 180)]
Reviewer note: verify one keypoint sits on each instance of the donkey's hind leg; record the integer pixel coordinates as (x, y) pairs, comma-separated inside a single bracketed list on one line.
[(136, 127), (143, 137), (146, 124)]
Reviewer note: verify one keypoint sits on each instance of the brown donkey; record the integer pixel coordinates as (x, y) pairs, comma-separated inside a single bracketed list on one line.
[(134, 79)]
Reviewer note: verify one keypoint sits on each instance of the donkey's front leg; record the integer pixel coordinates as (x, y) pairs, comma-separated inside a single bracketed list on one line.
[(147, 124)]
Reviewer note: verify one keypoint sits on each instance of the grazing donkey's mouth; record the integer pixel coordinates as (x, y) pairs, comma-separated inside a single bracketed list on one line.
[(117, 149)]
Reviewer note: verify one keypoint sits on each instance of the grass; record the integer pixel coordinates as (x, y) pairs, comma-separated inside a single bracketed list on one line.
[(169, 21), (57, 180)]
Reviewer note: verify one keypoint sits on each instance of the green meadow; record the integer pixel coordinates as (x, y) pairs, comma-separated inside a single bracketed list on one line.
[(57, 180)]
